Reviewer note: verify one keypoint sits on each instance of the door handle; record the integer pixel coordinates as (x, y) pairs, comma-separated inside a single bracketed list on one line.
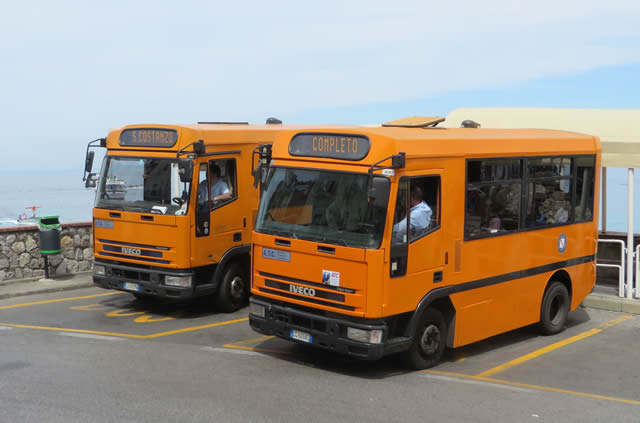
[(437, 276)]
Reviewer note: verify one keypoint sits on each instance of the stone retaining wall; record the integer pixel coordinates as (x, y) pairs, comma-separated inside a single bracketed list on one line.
[(20, 251)]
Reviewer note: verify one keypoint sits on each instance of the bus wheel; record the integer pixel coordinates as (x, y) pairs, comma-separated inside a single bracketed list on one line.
[(554, 309), (232, 291), (429, 341)]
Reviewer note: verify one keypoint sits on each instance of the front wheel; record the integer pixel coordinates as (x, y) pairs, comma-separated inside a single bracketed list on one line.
[(233, 289), (429, 341), (554, 309)]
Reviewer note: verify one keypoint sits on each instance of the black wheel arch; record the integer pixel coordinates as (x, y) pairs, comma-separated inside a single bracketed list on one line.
[(563, 277), (438, 299), (240, 254)]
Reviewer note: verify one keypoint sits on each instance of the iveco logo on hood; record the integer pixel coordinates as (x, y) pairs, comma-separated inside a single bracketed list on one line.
[(309, 292), (132, 251)]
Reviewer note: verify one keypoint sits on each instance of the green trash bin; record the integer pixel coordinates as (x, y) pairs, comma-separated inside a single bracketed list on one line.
[(49, 235)]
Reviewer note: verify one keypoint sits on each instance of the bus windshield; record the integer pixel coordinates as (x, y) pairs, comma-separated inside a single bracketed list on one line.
[(144, 185), (330, 207)]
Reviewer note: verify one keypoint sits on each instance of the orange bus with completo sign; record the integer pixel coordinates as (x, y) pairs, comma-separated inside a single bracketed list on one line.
[(410, 238), (174, 210)]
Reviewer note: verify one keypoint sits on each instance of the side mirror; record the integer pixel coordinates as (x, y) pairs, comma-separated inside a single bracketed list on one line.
[(398, 161), (185, 169), (90, 182), (378, 192), (88, 161)]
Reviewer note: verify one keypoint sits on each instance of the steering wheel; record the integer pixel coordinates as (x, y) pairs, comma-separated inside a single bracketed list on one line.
[(178, 200)]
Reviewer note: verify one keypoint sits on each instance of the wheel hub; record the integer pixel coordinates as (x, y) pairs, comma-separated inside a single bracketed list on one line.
[(236, 288), (430, 339)]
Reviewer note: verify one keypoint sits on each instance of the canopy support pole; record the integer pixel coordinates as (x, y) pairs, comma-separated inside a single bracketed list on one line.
[(604, 199), (630, 266)]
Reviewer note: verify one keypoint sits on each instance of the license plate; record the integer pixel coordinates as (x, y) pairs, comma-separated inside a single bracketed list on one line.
[(300, 336), (131, 286)]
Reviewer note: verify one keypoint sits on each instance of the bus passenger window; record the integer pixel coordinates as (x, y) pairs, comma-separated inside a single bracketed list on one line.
[(549, 198), (494, 188), (584, 188)]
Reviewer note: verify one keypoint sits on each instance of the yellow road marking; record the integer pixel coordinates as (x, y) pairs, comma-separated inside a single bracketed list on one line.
[(552, 347), (537, 387), (90, 307), (149, 319), (59, 300), (123, 313), (125, 335), (211, 325), (95, 332)]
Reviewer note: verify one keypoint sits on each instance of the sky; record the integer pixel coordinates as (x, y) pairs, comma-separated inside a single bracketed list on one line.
[(70, 71)]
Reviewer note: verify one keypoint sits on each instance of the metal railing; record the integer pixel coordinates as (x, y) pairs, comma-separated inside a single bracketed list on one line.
[(620, 267)]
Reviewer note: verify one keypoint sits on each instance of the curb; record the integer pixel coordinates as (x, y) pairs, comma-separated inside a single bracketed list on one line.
[(611, 303), (22, 287)]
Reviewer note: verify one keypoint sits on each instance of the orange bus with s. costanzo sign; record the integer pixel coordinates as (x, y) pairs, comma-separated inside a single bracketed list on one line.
[(410, 238), (174, 210)]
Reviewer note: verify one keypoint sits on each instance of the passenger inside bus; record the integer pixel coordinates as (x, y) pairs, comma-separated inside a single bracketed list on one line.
[(420, 216)]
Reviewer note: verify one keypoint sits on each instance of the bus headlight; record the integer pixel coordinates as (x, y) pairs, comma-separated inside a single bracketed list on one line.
[(98, 270), (183, 281), (370, 336), (256, 310)]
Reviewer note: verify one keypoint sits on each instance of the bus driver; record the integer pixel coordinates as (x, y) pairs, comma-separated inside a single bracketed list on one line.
[(420, 217), (219, 189)]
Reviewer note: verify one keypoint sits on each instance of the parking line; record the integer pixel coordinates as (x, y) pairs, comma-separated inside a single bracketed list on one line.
[(252, 340), (263, 350), (93, 332), (59, 300), (552, 347), (211, 325), (125, 335), (537, 387)]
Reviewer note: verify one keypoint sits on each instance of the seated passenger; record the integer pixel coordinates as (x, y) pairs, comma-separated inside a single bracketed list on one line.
[(420, 217)]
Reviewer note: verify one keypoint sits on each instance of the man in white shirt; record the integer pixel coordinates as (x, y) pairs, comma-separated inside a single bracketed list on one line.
[(420, 217), (219, 189)]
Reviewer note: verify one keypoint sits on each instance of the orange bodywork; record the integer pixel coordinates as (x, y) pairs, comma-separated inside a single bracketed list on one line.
[(512, 300)]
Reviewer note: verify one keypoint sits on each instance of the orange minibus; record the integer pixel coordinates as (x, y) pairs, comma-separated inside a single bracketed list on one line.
[(410, 238), (174, 210)]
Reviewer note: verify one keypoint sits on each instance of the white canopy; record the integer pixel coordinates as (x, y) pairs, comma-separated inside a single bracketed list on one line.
[(619, 130)]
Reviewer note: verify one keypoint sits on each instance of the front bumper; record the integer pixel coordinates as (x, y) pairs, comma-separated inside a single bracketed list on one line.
[(149, 280), (326, 332)]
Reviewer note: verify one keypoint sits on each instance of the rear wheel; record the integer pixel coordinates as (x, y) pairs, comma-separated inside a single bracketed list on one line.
[(554, 309), (429, 341), (233, 289)]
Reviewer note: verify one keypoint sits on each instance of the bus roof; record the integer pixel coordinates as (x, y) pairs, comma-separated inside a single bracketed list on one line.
[(447, 142)]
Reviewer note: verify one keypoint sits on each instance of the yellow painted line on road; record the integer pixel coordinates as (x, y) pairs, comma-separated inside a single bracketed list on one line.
[(93, 332), (125, 335), (59, 300), (553, 347), (211, 325), (537, 387)]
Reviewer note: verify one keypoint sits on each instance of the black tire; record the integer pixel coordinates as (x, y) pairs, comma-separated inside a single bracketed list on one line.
[(429, 341), (233, 291), (554, 309)]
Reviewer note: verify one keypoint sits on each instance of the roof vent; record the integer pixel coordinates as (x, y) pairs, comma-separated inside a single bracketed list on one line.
[(274, 121), (468, 123), (415, 122)]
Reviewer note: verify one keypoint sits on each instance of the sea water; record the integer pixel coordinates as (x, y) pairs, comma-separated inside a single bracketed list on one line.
[(62, 193)]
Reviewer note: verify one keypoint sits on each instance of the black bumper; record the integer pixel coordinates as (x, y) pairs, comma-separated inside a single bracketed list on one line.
[(149, 280), (326, 332)]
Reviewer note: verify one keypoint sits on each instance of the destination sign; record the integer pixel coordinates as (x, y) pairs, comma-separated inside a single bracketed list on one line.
[(332, 146), (149, 137)]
